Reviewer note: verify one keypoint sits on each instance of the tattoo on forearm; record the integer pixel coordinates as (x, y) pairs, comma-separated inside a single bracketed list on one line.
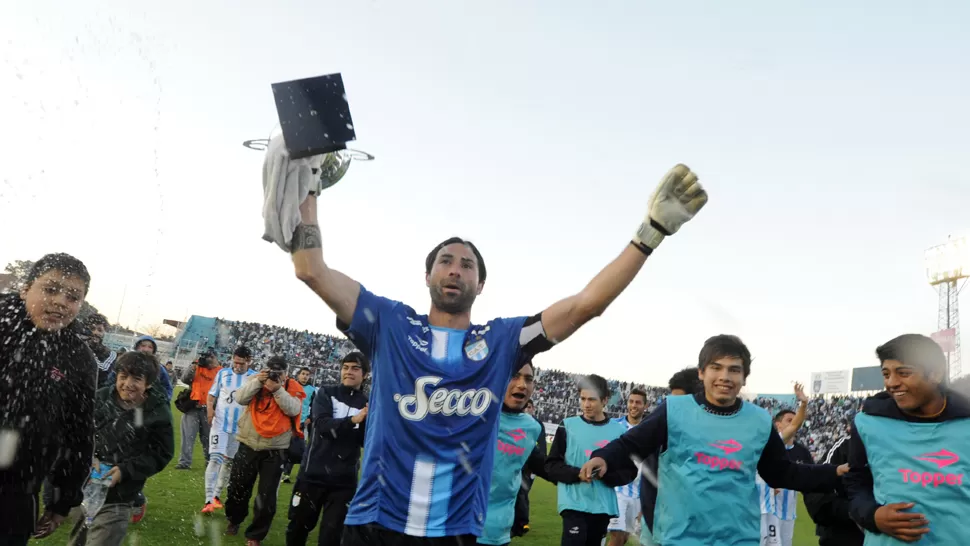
[(306, 236)]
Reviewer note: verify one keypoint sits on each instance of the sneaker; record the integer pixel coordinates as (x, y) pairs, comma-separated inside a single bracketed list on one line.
[(286, 478), (208, 508), (140, 512), (182, 467), (216, 503), (232, 529), (252, 542)]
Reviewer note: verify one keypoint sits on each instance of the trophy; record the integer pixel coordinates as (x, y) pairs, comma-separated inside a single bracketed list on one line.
[(315, 124)]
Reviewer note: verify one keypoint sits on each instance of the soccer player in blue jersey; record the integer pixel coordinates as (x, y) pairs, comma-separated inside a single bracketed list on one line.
[(711, 445), (910, 451), (432, 427), (223, 415), (517, 448), (585, 505), (628, 496)]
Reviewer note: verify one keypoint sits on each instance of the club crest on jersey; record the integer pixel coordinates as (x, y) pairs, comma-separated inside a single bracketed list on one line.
[(477, 350)]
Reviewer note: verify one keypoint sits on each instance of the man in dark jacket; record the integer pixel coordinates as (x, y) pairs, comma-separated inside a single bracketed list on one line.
[(47, 397), (328, 473), (134, 436), (830, 511)]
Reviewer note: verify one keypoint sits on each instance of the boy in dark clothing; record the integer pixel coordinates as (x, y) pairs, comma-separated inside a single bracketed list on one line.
[(908, 451), (47, 397), (830, 510), (133, 434)]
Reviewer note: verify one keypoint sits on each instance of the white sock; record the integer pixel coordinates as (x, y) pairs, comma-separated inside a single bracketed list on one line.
[(212, 476), (224, 473)]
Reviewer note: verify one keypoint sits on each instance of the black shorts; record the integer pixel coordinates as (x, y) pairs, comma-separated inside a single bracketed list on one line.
[(376, 535)]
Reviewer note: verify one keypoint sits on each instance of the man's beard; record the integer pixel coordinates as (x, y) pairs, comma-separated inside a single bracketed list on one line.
[(462, 304)]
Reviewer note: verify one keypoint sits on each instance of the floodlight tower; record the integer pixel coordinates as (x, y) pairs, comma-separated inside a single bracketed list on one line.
[(947, 268)]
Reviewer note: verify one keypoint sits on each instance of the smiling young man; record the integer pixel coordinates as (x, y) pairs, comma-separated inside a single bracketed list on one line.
[(628, 496), (47, 397), (711, 446), (910, 451), (586, 505), (134, 435), (517, 449), (432, 415), (328, 471)]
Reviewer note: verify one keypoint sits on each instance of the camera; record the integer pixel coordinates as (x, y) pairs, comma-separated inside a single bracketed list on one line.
[(274, 375)]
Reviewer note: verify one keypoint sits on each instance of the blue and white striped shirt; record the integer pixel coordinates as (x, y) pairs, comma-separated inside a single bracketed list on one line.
[(632, 489), (227, 412), (783, 504)]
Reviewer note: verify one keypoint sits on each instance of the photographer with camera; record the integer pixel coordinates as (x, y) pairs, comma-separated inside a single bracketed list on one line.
[(192, 403), (273, 404)]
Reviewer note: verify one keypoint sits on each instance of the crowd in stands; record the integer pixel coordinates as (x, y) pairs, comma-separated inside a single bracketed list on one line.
[(555, 394), (300, 348), (827, 420)]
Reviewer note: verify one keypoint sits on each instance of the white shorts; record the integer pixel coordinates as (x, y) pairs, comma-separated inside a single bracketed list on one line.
[(776, 532), (223, 443), (627, 520)]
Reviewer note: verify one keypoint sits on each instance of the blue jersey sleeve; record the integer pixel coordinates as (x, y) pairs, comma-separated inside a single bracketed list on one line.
[(526, 335), (371, 316)]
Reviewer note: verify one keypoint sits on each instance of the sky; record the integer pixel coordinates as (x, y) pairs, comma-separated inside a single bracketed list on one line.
[(831, 139)]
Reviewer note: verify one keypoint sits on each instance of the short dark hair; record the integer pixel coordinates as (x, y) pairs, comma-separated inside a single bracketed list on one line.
[(722, 346), (781, 414), (429, 261), (915, 350), (243, 352), (685, 380), (357, 357), (595, 383), (65, 263), (138, 364), (304, 369), (277, 363), (205, 356), (96, 319), (640, 392), (529, 402)]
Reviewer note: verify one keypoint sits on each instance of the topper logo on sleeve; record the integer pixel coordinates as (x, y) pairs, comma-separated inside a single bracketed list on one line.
[(448, 402), (941, 459)]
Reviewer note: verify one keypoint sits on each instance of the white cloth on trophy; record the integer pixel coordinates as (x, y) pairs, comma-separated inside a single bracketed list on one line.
[(286, 183)]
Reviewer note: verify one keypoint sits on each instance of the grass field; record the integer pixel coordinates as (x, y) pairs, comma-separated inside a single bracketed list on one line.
[(176, 496)]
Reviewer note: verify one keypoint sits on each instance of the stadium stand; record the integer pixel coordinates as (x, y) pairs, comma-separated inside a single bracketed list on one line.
[(555, 394)]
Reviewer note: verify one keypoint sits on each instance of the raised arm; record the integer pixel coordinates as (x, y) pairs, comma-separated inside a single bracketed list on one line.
[(799, 419), (676, 200), (337, 290)]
